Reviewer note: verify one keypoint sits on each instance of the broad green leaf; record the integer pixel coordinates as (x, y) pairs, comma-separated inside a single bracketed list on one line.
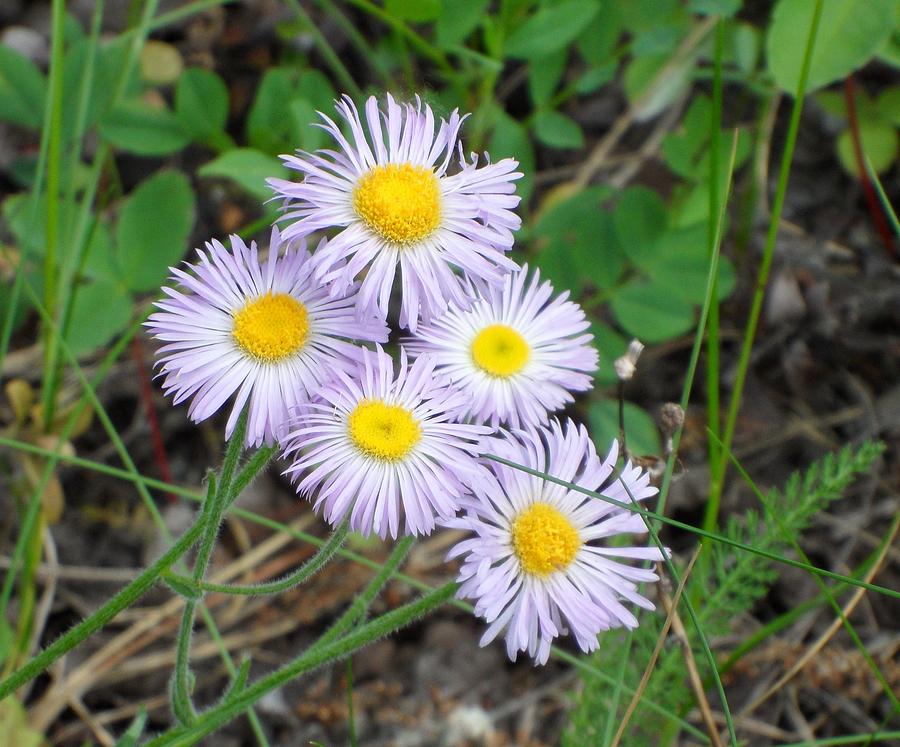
[(268, 122), (611, 345), (743, 46), (510, 140), (14, 727), (725, 8), (889, 51), (144, 130), (248, 168), (109, 62), (639, 219), (23, 89), (681, 266), (153, 229), (682, 147), (641, 433), (544, 76), (849, 35), (99, 310), (640, 15), (557, 130), (658, 40), (597, 42), (576, 243), (651, 313), (550, 29), (888, 105), (591, 80), (201, 102), (417, 11), (100, 261), (879, 145), (457, 20), (642, 73)]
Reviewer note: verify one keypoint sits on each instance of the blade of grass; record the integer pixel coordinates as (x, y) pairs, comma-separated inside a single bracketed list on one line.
[(715, 495)]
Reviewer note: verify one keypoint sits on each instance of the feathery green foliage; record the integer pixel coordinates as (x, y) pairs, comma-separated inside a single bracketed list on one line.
[(729, 586)]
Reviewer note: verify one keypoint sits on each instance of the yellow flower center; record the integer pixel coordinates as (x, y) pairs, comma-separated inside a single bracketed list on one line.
[(399, 202), (544, 540), (499, 350), (272, 327), (385, 432)]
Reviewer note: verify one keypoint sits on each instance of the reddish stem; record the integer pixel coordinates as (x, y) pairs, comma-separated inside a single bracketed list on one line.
[(159, 449), (875, 211)]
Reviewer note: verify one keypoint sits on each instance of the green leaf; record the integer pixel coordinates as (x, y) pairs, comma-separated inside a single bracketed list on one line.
[(246, 167), (510, 140), (743, 46), (272, 124), (652, 314), (153, 229), (14, 728), (557, 130), (879, 145), (183, 585), (99, 310), (144, 130), (457, 20), (592, 79), (597, 42), (576, 243), (888, 105), (550, 29), (101, 262), (681, 266), (641, 433), (725, 8), (201, 103), (417, 11), (850, 33), (268, 121), (22, 89), (682, 147), (641, 72), (135, 729), (544, 76), (639, 219), (640, 15)]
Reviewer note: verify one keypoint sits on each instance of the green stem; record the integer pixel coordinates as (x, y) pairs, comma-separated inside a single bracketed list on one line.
[(386, 624), (125, 598), (48, 390), (762, 277), (213, 511), (277, 526), (312, 566), (362, 603), (712, 326)]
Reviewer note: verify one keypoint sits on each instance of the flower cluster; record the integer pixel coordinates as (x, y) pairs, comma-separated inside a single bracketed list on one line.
[(296, 337)]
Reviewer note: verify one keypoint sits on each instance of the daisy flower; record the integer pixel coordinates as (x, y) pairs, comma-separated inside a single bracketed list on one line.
[(388, 188), (537, 565), (263, 330), (376, 445), (516, 353)]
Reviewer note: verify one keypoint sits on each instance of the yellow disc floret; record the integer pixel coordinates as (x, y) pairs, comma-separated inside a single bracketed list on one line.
[(381, 431), (272, 327), (499, 350), (399, 202), (544, 540)]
